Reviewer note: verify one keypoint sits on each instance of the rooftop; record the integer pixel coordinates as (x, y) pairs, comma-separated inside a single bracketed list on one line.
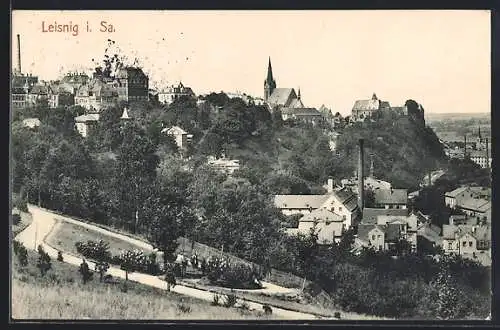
[(299, 201), (370, 214), (86, 118), (391, 196), (280, 96), (321, 215)]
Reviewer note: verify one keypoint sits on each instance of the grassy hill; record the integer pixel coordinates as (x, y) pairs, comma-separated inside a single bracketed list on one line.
[(60, 294)]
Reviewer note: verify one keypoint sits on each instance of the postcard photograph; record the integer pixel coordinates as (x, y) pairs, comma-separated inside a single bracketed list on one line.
[(250, 165)]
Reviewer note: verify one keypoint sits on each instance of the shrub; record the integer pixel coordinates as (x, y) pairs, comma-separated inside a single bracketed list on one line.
[(336, 315), (244, 305), (140, 262), (238, 276), (60, 256), (183, 308), (16, 218), (101, 267), (230, 300), (21, 252), (94, 250), (216, 300), (85, 272), (43, 264), (267, 309)]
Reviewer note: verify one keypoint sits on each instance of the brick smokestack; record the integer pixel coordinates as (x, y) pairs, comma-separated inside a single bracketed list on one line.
[(361, 177), (465, 146), (487, 154), (19, 53)]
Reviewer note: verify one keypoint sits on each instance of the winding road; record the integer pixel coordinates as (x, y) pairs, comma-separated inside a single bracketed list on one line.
[(44, 221)]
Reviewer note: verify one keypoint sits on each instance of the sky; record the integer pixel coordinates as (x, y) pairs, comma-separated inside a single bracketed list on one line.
[(439, 58)]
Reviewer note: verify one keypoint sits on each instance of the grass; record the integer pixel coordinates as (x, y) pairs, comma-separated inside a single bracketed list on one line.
[(26, 220), (60, 294)]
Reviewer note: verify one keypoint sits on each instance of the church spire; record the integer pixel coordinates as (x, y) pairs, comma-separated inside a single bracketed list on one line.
[(479, 132), (269, 83), (269, 71)]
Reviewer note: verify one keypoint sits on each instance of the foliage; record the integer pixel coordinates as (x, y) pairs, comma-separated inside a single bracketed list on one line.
[(130, 261), (230, 300), (85, 272), (216, 300), (101, 267), (95, 250), (21, 252), (43, 264), (236, 276)]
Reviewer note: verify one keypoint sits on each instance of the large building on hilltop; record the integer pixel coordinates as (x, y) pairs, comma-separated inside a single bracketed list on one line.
[(288, 102), (132, 84), (371, 108), (172, 93)]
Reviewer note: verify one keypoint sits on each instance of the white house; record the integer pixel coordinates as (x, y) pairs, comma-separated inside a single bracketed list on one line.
[(329, 225), (181, 137), (85, 123)]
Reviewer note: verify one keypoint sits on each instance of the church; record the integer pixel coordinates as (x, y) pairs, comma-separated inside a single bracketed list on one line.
[(288, 101)]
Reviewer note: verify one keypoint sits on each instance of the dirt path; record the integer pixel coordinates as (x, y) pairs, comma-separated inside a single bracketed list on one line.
[(44, 221)]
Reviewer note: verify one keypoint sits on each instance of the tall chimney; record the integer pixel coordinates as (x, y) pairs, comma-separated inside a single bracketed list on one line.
[(465, 146), (487, 154), (430, 179), (19, 53), (361, 181)]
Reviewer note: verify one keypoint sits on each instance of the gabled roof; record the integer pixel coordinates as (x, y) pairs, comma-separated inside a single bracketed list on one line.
[(301, 111), (175, 130), (482, 233), (130, 72), (86, 118), (456, 192), (365, 229), (475, 204), (370, 214), (347, 198), (296, 103), (281, 96), (363, 105), (391, 196), (321, 215), (299, 201)]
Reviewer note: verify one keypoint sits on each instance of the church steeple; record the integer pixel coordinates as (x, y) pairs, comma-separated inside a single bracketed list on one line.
[(269, 83)]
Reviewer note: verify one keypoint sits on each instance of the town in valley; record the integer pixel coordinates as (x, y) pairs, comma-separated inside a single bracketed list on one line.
[(239, 205)]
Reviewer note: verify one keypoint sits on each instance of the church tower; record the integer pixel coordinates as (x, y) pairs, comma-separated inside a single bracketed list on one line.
[(269, 83)]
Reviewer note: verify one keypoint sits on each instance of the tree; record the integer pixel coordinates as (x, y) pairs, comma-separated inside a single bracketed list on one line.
[(447, 296), (85, 272), (129, 262), (101, 267), (43, 264)]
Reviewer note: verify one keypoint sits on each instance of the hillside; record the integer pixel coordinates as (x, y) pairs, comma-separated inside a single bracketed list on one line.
[(60, 294)]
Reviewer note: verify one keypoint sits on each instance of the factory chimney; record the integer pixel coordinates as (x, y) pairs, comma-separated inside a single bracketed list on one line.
[(361, 181), (465, 146), (487, 154), (19, 54)]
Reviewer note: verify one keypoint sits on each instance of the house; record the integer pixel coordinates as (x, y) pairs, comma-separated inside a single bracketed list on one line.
[(370, 215), (96, 95), (408, 226), (339, 201), (225, 165), (329, 225), (31, 122), (476, 207), (462, 219), (181, 137), (391, 198), (481, 157), (466, 240), (303, 114), (429, 234), (75, 80), (21, 87), (371, 235), (371, 108), (172, 93), (131, 84), (85, 124)]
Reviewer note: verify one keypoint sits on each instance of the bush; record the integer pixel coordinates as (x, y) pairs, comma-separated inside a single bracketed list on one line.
[(140, 262), (43, 264), (94, 250), (267, 309), (216, 300), (183, 308), (238, 276), (16, 219), (337, 315), (230, 300), (21, 252), (101, 267), (85, 272)]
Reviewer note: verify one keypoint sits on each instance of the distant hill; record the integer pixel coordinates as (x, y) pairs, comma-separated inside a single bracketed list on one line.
[(456, 116)]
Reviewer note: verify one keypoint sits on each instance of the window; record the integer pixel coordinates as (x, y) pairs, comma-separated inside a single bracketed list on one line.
[(340, 208), (464, 244), (470, 243), (373, 237), (449, 246), (378, 236)]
